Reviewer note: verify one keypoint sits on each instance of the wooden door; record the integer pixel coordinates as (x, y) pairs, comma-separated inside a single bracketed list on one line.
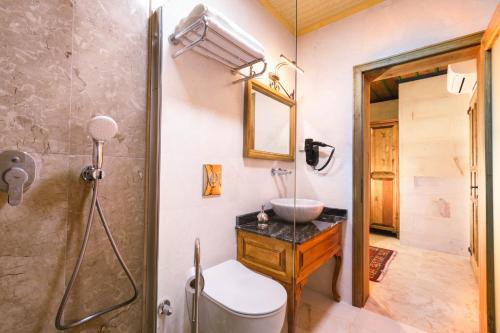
[(384, 192), (473, 194)]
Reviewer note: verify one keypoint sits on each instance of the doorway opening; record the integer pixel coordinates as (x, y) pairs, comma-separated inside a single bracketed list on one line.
[(423, 237), (404, 194)]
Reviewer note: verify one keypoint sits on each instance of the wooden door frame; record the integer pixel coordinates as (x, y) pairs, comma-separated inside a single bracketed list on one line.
[(485, 162), (456, 50), (473, 180)]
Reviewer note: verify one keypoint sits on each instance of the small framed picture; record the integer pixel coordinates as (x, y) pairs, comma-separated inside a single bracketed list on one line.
[(212, 184)]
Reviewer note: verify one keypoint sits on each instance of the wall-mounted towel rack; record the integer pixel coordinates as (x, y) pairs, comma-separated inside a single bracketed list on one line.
[(204, 38)]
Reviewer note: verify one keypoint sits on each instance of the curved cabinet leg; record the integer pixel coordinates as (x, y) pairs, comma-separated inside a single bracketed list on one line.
[(336, 273)]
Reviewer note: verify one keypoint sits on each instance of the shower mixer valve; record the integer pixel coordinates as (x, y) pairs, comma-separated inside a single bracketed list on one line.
[(17, 173)]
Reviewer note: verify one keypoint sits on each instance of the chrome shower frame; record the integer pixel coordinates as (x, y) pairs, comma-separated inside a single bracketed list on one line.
[(152, 176)]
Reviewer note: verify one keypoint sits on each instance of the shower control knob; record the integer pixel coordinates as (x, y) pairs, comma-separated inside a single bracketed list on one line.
[(17, 173), (16, 178)]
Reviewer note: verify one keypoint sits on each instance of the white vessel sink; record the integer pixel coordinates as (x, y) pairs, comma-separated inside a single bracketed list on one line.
[(305, 210)]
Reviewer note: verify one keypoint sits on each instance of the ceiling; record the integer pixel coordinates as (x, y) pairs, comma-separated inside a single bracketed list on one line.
[(314, 14), (386, 90)]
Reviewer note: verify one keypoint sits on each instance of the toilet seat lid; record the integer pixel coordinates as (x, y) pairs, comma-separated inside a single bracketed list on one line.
[(241, 290)]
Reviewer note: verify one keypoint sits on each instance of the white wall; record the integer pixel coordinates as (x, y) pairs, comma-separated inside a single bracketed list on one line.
[(496, 167), (325, 99), (434, 166), (202, 122)]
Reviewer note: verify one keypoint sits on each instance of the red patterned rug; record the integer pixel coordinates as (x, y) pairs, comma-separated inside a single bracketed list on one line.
[(379, 262)]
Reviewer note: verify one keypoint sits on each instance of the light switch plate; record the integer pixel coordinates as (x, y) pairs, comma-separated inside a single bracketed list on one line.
[(212, 180)]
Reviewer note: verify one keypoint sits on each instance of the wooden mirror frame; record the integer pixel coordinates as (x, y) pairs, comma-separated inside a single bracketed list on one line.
[(249, 123)]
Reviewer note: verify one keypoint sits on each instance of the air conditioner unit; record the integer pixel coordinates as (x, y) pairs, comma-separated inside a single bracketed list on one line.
[(462, 77)]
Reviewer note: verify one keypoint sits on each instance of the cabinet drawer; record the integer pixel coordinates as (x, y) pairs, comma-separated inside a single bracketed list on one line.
[(265, 255)]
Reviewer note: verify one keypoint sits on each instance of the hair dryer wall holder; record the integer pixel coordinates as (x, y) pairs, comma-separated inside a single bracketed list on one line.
[(311, 148)]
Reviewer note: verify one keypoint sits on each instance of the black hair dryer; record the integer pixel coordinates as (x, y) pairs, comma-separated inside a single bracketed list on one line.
[(311, 148)]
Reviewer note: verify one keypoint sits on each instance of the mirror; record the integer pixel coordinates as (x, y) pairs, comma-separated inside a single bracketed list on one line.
[(269, 123)]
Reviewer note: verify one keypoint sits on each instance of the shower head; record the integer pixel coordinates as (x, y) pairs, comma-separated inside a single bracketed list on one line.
[(102, 128)]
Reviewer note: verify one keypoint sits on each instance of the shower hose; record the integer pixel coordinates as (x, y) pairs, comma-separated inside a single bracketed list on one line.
[(60, 312)]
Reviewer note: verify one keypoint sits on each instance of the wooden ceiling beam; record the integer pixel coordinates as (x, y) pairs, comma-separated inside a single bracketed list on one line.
[(387, 89), (429, 62), (381, 90), (393, 84), (373, 90)]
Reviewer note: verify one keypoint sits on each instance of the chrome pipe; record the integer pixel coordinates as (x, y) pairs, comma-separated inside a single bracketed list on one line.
[(199, 284), (202, 38), (60, 312), (252, 75), (175, 38)]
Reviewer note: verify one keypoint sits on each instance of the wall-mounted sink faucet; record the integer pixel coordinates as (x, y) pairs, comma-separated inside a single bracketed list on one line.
[(280, 171), (17, 173)]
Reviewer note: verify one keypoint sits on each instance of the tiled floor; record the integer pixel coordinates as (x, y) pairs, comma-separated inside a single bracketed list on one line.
[(320, 314), (423, 291), (433, 291)]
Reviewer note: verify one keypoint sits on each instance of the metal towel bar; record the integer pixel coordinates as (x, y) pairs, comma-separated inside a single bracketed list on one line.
[(232, 61)]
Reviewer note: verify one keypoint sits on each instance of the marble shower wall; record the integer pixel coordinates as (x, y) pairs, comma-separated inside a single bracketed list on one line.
[(62, 62)]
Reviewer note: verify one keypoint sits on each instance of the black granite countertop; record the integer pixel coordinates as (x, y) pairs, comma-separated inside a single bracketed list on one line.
[(282, 230)]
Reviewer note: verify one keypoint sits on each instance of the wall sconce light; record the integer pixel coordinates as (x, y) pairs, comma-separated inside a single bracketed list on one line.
[(275, 79)]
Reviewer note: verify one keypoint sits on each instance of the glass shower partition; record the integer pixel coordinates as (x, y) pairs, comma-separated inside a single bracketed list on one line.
[(204, 180)]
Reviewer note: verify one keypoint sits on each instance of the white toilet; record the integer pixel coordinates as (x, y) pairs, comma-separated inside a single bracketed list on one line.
[(236, 299)]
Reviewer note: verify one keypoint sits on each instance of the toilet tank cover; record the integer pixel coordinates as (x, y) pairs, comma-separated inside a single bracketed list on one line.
[(241, 290)]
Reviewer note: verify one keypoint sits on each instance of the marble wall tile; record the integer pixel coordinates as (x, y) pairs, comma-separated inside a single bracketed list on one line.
[(110, 72), (61, 62), (35, 55), (32, 250)]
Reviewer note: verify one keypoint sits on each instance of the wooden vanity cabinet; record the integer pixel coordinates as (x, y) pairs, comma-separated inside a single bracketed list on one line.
[(275, 258)]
